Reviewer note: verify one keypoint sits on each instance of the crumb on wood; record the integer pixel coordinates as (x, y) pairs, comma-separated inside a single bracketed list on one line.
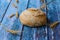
[(42, 1), (17, 15), (17, 1), (13, 31), (43, 6), (14, 5), (54, 24), (11, 15)]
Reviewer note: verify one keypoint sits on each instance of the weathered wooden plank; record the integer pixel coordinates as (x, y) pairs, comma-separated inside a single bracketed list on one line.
[(30, 33), (12, 23), (3, 8), (57, 29), (53, 15), (34, 33)]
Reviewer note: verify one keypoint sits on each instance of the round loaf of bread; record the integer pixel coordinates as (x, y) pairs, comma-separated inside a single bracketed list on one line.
[(33, 17)]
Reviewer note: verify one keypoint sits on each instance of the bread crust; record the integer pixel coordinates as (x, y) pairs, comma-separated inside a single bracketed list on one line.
[(33, 17)]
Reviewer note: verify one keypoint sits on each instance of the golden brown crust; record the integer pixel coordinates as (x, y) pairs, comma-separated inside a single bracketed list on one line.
[(33, 17)]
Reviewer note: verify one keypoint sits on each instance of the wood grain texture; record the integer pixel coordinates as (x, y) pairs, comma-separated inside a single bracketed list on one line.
[(13, 23), (53, 15), (42, 33), (3, 8)]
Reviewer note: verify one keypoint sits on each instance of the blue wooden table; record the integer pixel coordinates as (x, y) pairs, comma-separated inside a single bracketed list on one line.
[(42, 33)]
